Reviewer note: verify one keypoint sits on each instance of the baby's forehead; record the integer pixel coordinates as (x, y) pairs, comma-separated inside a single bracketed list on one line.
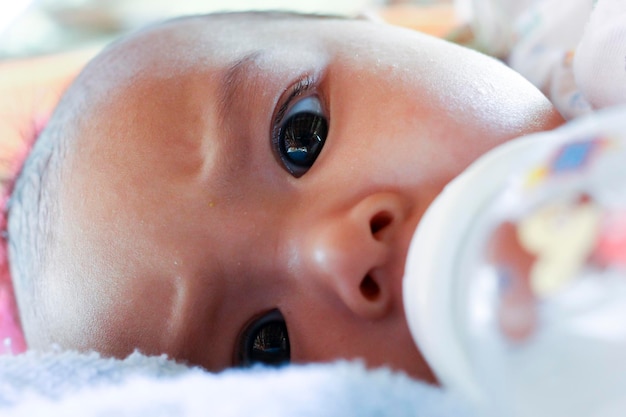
[(232, 29), (163, 67), (212, 40), (207, 43)]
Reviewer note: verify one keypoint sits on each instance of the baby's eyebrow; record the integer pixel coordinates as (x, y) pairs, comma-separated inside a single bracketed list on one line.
[(234, 80)]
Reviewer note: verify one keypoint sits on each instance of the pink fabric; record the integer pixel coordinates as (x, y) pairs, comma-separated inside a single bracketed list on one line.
[(11, 335), (12, 341)]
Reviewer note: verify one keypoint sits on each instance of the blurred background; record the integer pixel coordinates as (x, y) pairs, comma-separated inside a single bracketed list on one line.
[(35, 27)]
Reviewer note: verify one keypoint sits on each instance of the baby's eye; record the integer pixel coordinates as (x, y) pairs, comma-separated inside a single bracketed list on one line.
[(301, 135), (265, 341)]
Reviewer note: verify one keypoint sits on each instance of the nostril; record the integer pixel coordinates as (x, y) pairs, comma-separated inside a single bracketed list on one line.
[(380, 221), (369, 288)]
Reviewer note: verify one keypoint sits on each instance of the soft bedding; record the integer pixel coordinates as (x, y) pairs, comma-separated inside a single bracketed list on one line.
[(75, 384)]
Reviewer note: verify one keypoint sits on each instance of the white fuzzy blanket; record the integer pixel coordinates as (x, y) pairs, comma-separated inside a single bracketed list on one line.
[(73, 384)]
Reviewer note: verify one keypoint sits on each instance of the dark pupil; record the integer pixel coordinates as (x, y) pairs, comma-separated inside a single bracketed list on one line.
[(302, 138), (270, 345)]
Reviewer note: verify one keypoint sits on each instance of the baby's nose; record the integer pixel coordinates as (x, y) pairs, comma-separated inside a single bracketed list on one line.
[(349, 253)]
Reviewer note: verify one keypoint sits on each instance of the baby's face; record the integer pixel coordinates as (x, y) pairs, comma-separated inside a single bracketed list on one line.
[(253, 182)]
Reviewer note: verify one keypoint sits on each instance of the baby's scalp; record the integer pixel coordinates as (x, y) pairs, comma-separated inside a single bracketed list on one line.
[(161, 217)]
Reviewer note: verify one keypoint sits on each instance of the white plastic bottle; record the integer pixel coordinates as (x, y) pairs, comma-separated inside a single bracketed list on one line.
[(515, 283)]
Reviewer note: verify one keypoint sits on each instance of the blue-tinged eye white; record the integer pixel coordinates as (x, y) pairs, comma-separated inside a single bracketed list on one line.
[(265, 341), (301, 135)]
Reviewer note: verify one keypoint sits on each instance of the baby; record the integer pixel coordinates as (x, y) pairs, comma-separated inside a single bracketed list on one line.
[(239, 188)]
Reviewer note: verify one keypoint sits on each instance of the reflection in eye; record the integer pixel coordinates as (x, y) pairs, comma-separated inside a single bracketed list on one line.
[(302, 135), (265, 341)]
